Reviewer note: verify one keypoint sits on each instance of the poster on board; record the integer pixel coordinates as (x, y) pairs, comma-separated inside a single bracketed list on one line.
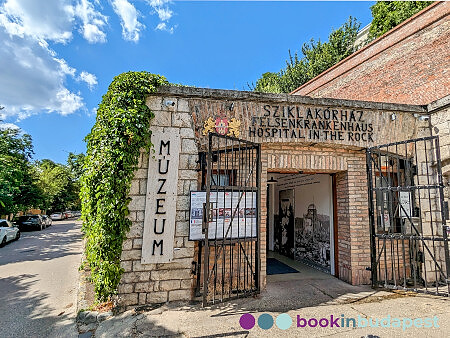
[(241, 206)]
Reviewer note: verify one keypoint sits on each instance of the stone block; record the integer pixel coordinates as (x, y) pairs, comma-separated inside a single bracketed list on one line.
[(188, 146), (183, 105), (179, 295), (182, 229), (140, 173), (180, 263), (183, 253), (167, 285), (142, 298), (157, 297), (129, 299), (154, 103), (186, 284), (170, 274), (182, 120), (126, 265), (134, 188), (131, 255), (137, 203), (162, 119), (136, 230), (137, 243), (144, 287), (137, 266), (125, 288), (187, 133), (183, 203)]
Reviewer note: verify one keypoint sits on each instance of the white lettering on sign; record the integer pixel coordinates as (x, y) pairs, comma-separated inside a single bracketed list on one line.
[(161, 199)]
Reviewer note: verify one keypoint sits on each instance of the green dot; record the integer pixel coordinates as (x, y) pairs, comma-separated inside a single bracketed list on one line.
[(265, 321), (284, 321)]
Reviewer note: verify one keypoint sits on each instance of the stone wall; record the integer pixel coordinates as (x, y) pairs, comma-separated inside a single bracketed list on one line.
[(162, 282), (185, 110), (405, 65)]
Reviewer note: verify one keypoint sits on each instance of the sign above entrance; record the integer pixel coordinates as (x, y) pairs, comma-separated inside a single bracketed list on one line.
[(311, 124)]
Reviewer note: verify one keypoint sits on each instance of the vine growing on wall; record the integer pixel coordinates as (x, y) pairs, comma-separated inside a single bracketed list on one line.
[(113, 147)]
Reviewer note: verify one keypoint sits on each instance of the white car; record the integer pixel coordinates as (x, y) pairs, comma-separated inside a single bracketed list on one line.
[(57, 216), (8, 232)]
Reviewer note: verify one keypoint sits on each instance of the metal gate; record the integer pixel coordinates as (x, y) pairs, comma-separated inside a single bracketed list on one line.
[(231, 218), (409, 236)]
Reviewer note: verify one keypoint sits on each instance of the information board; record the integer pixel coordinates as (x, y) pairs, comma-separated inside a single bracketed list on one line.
[(224, 205)]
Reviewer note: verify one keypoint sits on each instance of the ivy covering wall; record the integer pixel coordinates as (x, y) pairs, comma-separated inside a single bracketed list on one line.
[(121, 130)]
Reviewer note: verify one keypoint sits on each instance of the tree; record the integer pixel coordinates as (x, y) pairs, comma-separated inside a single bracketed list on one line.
[(317, 57), (18, 189), (388, 14), (59, 183)]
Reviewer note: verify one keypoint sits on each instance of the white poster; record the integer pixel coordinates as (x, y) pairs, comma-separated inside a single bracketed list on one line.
[(405, 202), (239, 206)]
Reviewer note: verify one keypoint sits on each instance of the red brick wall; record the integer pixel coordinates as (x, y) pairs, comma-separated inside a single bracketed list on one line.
[(409, 64)]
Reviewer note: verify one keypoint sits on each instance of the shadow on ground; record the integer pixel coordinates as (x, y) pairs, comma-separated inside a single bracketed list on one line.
[(53, 242), (28, 307)]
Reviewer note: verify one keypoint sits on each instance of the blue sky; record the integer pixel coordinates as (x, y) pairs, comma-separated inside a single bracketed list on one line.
[(59, 56)]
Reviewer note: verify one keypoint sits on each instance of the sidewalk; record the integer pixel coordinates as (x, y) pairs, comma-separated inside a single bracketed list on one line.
[(307, 294)]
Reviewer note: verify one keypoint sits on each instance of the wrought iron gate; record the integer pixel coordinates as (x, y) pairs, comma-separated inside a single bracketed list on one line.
[(409, 236), (231, 217)]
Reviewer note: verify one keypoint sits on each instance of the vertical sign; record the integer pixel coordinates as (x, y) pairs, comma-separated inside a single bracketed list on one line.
[(161, 199)]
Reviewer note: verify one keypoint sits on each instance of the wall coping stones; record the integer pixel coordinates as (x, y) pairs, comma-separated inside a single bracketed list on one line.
[(236, 95)]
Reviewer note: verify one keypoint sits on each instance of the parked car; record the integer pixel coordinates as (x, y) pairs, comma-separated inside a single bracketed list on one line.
[(57, 216), (8, 232), (69, 214), (47, 220), (33, 222)]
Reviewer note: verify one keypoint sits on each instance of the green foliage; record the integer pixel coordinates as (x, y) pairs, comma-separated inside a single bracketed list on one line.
[(113, 147), (316, 58), (18, 190), (59, 183), (388, 14)]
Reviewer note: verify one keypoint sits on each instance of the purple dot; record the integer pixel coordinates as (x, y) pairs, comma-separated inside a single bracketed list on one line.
[(247, 321)]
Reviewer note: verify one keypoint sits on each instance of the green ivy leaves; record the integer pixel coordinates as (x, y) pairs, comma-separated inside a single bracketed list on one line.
[(113, 147)]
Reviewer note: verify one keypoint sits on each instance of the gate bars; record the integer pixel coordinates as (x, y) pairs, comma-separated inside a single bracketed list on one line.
[(409, 236), (231, 252)]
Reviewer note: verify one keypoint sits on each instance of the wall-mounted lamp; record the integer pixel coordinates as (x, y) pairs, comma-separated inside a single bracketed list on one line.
[(272, 181), (231, 106), (393, 117), (422, 117), (168, 103)]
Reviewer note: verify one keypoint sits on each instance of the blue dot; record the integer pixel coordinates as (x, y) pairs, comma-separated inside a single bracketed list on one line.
[(284, 321), (265, 321)]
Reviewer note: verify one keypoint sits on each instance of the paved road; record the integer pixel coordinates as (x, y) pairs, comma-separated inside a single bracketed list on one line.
[(38, 282)]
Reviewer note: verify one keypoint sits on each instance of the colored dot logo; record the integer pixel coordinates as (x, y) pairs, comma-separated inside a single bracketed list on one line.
[(247, 321), (265, 321)]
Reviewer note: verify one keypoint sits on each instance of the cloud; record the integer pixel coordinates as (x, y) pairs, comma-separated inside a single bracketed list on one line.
[(161, 7), (89, 78), (32, 76), (162, 26), (128, 15), (92, 22), (49, 20), (32, 79), (8, 126)]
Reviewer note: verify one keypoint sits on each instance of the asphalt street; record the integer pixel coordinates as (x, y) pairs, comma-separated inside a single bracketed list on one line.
[(38, 282)]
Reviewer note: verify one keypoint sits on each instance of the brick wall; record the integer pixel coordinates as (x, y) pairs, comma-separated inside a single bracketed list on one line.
[(409, 64)]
